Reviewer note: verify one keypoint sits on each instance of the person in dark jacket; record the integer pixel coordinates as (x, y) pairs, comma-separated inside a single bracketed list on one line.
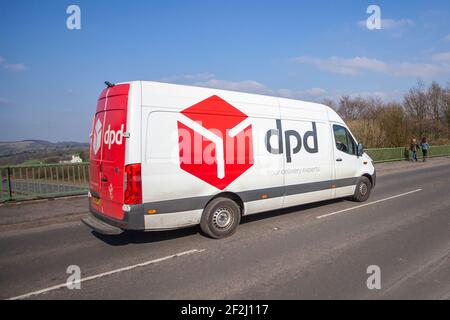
[(414, 147), (424, 146)]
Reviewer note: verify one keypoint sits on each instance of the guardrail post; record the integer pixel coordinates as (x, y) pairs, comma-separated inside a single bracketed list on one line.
[(8, 179)]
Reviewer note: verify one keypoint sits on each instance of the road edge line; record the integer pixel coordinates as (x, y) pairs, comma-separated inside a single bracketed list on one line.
[(368, 204)]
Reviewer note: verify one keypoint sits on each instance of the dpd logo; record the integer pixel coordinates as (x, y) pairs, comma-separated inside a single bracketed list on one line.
[(215, 142), (296, 137), (113, 137)]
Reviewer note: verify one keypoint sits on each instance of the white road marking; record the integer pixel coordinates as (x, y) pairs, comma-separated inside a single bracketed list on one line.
[(367, 204), (104, 274)]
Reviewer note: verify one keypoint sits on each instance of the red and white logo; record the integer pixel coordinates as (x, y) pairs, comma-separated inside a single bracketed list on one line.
[(215, 142), (97, 136), (113, 137), (109, 138)]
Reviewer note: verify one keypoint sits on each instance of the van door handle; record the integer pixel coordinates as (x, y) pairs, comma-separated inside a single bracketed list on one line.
[(104, 179), (338, 159)]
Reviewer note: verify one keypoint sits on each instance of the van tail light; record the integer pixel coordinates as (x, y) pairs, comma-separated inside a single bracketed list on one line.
[(133, 184)]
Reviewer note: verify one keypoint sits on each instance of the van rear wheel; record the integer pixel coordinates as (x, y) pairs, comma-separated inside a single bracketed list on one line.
[(220, 218), (363, 189)]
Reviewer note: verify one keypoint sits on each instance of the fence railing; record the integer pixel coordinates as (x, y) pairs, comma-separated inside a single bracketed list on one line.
[(55, 180), (403, 153), (43, 181)]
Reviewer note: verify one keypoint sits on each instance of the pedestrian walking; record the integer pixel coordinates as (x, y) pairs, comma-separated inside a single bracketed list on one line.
[(414, 147), (424, 146)]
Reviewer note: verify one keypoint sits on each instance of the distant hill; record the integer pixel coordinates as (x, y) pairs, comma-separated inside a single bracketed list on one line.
[(40, 151)]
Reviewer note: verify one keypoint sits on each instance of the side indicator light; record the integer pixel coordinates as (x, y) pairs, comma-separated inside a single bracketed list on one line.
[(264, 196), (152, 211)]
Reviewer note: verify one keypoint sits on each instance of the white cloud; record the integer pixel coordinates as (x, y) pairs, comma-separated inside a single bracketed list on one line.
[(252, 86), (349, 66), (390, 24), (312, 93), (249, 86), (443, 56), (15, 67), (358, 65), (189, 77), (319, 95), (386, 96), (418, 70)]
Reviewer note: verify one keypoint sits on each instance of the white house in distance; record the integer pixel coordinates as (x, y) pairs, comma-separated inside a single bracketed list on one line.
[(75, 159)]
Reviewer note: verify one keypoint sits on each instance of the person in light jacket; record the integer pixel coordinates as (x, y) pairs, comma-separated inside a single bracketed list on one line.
[(424, 146), (414, 147)]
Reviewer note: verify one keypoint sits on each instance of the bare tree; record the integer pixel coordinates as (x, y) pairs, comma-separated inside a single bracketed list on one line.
[(446, 110), (393, 120), (435, 99), (416, 106), (353, 108), (425, 111)]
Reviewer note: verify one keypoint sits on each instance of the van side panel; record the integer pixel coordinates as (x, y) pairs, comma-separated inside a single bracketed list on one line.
[(308, 173), (164, 179), (172, 188), (177, 194), (312, 166)]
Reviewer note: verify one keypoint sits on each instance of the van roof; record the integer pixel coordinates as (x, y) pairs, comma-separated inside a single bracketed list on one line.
[(333, 116)]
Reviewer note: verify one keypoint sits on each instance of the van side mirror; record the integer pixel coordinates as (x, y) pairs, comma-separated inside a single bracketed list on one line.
[(360, 149)]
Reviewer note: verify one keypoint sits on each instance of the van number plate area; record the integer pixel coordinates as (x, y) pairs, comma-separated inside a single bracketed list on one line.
[(96, 201)]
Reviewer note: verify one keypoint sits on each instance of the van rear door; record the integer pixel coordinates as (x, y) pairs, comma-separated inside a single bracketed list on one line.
[(108, 151)]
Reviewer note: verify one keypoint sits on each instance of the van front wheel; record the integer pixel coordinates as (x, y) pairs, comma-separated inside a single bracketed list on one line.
[(220, 218), (362, 191)]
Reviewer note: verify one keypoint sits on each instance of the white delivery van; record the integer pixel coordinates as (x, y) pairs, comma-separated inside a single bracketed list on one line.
[(167, 156)]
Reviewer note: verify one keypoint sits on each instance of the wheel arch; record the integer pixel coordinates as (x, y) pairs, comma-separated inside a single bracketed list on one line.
[(232, 196), (368, 176)]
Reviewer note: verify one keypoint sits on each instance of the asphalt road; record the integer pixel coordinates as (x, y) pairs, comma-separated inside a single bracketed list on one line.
[(287, 254)]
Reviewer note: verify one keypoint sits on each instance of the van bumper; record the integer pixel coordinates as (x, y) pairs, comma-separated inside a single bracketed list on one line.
[(133, 220), (100, 226)]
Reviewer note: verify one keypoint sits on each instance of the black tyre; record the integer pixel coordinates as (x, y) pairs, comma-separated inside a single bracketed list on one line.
[(220, 218), (363, 189)]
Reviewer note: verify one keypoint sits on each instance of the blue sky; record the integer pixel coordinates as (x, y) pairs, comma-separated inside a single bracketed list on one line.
[(50, 76)]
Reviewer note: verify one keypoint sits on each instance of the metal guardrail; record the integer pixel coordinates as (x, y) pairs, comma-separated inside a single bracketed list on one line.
[(56, 180), (43, 181), (402, 153)]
